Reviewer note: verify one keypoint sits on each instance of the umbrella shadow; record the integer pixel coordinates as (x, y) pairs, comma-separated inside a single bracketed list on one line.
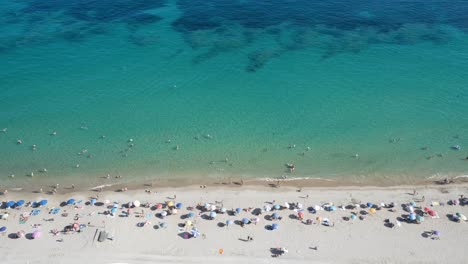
[(426, 234), (205, 217), (293, 216), (29, 236), (268, 217), (257, 211), (13, 236), (184, 235), (221, 224), (269, 227), (99, 204), (156, 227)]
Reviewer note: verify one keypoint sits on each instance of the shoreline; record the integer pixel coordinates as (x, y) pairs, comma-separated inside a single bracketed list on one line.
[(116, 185)]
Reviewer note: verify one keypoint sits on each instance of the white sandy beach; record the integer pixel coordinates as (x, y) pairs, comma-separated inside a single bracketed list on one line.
[(353, 241)]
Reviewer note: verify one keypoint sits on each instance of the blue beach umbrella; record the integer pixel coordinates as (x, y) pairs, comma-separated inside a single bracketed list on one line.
[(275, 215), (245, 220), (332, 208), (238, 210), (3, 229), (413, 204), (19, 203), (70, 201), (223, 210), (114, 210), (191, 214), (229, 222), (179, 206), (274, 226), (370, 205), (212, 214), (43, 202), (93, 201), (163, 224), (412, 216), (10, 204), (194, 232), (277, 207), (353, 216)]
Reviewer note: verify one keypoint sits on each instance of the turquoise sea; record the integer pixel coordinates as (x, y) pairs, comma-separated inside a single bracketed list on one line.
[(226, 88)]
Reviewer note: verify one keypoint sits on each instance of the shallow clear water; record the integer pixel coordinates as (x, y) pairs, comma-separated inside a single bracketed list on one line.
[(381, 80)]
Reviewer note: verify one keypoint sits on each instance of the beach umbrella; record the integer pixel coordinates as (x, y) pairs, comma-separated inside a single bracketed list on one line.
[(267, 208), (275, 215), (174, 211), (115, 205), (238, 210), (299, 206), (274, 226), (245, 220), (36, 234), (194, 232), (4, 216), (277, 206), (370, 205), (213, 214), (70, 201), (413, 204), (300, 214), (164, 213), (229, 222), (436, 233), (256, 220), (427, 209), (19, 203), (462, 216), (412, 216), (372, 210), (286, 205), (419, 218), (191, 214), (179, 206), (332, 208), (136, 203), (10, 204), (188, 223), (317, 207), (411, 209), (212, 207), (163, 224), (223, 210), (353, 216), (114, 210), (43, 202), (159, 206), (3, 229), (93, 201), (432, 213), (170, 203)]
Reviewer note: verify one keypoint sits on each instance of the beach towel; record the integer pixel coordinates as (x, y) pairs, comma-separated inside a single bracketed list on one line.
[(35, 212)]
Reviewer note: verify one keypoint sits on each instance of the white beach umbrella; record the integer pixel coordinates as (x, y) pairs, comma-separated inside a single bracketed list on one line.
[(136, 203)]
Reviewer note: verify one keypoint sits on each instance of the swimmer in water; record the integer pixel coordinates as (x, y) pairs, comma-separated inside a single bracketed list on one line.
[(19, 141)]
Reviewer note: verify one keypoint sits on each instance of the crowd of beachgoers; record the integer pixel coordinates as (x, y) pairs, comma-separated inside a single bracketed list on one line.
[(26, 218)]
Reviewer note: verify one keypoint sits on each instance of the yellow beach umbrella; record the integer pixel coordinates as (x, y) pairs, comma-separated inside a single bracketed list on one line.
[(170, 203)]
